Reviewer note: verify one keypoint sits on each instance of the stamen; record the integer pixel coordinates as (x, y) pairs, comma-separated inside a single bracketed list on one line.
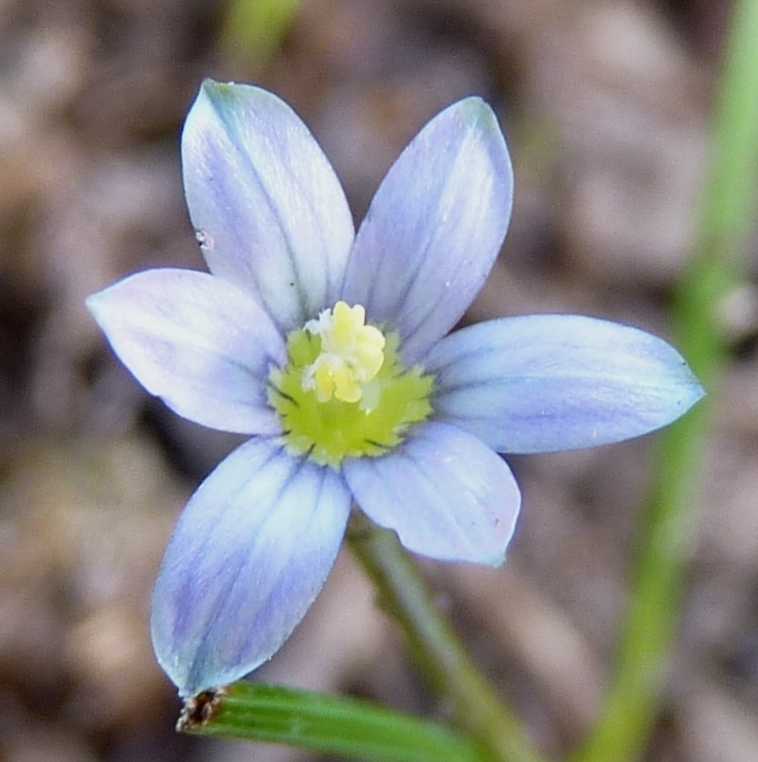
[(351, 354)]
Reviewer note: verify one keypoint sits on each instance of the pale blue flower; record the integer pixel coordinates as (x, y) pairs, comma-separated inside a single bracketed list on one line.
[(391, 415)]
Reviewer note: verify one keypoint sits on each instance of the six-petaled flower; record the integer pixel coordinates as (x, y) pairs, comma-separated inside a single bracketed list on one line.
[(330, 349)]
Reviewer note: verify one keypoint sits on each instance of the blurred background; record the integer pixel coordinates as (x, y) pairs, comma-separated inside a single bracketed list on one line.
[(605, 104)]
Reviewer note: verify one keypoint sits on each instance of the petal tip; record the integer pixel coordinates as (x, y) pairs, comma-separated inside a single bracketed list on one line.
[(697, 393), (225, 95), (690, 389), (497, 559), (479, 112), (479, 115), (211, 87), (93, 304), (97, 305)]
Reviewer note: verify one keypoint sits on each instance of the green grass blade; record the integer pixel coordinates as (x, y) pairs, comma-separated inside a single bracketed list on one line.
[(324, 723), (727, 217)]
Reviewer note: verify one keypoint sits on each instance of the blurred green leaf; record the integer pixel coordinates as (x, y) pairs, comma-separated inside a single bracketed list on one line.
[(253, 31)]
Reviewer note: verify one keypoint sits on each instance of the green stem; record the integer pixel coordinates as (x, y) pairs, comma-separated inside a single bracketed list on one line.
[(728, 208), (461, 686), (323, 723)]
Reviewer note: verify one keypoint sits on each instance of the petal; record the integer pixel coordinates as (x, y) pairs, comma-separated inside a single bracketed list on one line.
[(542, 383), (434, 228), (198, 342), (267, 207), (446, 495), (247, 558)]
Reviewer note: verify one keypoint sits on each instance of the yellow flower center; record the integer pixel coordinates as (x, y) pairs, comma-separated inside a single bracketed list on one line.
[(351, 354), (343, 391)]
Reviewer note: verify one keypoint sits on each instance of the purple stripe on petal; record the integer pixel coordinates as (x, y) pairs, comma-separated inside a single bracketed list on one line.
[(269, 211), (249, 554), (434, 227), (201, 344), (446, 494), (543, 383)]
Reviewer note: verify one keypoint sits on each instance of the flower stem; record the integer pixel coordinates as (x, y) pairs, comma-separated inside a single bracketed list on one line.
[(404, 594), (728, 207)]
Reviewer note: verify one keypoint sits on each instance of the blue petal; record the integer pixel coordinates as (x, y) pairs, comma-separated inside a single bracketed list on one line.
[(542, 383), (445, 494), (268, 209), (196, 341), (248, 557), (434, 227)]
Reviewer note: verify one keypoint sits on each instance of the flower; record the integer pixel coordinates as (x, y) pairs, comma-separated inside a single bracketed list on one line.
[(330, 349)]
